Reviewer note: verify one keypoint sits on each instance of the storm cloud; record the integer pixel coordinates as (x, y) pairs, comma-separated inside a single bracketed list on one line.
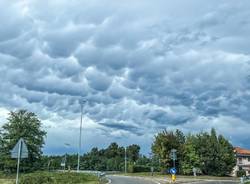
[(142, 66)]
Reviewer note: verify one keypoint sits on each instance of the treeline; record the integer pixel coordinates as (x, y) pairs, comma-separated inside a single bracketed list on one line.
[(206, 152), (110, 159)]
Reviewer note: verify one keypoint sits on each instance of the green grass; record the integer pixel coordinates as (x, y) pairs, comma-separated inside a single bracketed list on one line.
[(159, 175), (6, 181), (58, 178), (51, 178)]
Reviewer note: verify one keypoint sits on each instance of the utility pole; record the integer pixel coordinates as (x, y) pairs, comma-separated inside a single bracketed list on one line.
[(80, 140), (125, 158)]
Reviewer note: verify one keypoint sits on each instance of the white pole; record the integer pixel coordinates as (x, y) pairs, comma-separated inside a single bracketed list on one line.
[(18, 160), (125, 159), (80, 142)]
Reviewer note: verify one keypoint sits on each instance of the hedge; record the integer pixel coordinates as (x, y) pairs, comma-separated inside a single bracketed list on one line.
[(138, 168)]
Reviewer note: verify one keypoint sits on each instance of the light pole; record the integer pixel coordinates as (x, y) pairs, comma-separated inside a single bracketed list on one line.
[(125, 159), (80, 137), (65, 156)]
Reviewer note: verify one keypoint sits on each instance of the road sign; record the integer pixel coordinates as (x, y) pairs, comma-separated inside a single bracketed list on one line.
[(173, 154), (23, 150), (173, 171), (19, 151)]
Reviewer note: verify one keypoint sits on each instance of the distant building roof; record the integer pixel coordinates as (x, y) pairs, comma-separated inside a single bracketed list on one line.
[(241, 151)]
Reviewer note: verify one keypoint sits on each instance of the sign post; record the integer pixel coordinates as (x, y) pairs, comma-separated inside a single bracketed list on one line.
[(19, 151), (173, 156), (173, 174), (173, 170)]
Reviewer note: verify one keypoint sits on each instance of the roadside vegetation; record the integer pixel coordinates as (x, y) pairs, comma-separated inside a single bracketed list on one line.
[(209, 153), (50, 178), (58, 178)]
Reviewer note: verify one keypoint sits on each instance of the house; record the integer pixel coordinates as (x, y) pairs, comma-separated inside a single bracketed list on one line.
[(243, 160)]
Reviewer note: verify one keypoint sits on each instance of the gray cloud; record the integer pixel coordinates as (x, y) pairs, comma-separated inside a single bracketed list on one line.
[(142, 68)]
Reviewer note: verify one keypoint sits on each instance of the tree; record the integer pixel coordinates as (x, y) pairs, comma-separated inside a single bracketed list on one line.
[(226, 156), (191, 158), (26, 125), (215, 153), (133, 152), (162, 145), (212, 154)]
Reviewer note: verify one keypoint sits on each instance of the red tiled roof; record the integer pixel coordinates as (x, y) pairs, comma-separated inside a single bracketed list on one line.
[(241, 151)]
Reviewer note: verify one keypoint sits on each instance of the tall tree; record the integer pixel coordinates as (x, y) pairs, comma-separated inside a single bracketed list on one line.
[(133, 152), (227, 159), (191, 158), (162, 145), (215, 153), (26, 125)]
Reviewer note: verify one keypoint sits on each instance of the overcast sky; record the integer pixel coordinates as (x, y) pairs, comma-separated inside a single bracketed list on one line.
[(142, 65)]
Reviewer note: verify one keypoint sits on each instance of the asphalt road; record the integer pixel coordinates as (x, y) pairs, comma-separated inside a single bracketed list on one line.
[(216, 182), (128, 180), (134, 180)]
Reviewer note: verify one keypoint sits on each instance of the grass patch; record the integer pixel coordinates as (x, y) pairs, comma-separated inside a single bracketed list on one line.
[(7, 181), (51, 178), (58, 178), (159, 175), (7, 178)]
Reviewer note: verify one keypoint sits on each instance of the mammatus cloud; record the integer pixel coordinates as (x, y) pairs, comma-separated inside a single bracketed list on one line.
[(141, 67)]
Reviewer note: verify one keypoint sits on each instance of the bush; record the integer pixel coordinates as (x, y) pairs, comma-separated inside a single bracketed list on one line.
[(241, 173), (138, 168), (56, 178)]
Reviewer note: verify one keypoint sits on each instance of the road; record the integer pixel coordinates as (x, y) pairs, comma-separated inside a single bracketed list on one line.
[(215, 182), (140, 180), (129, 180)]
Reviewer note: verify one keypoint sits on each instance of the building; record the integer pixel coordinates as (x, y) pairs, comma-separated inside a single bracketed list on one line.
[(243, 160)]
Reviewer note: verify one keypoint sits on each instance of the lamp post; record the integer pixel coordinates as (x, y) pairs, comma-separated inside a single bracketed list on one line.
[(80, 136), (67, 145), (125, 159)]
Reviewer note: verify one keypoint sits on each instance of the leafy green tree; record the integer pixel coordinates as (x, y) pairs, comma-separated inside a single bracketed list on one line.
[(191, 158), (133, 152), (215, 153), (143, 160), (162, 145), (26, 125), (212, 154), (227, 159), (112, 151)]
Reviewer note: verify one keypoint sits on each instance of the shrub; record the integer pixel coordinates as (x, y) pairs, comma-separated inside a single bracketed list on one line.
[(138, 168), (241, 173)]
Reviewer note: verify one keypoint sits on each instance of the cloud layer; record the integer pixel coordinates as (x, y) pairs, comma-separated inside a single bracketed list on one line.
[(142, 66)]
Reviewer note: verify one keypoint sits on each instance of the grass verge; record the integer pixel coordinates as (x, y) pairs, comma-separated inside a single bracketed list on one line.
[(160, 175), (52, 178)]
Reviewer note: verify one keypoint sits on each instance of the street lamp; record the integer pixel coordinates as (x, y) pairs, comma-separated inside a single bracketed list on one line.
[(125, 159), (67, 145), (80, 136)]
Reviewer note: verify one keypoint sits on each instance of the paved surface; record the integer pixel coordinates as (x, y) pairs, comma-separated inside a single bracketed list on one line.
[(214, 182), (140, 180), (129, 180)]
